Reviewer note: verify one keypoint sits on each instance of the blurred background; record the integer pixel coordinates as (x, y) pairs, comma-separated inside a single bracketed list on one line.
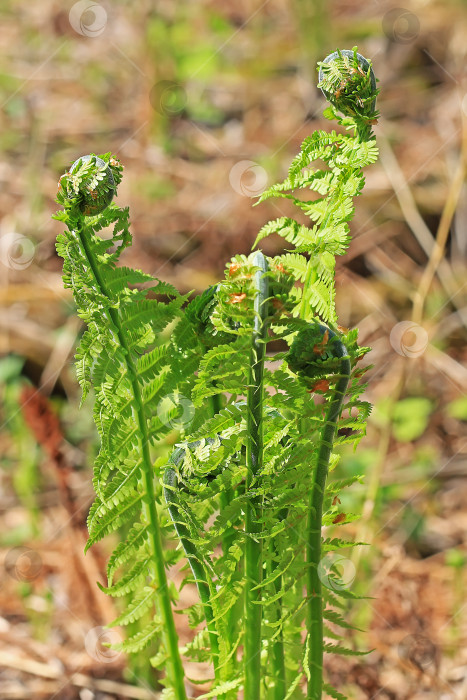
[(205, 103)]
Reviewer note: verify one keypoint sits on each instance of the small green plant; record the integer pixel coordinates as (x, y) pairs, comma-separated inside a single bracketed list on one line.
[(245, 490)]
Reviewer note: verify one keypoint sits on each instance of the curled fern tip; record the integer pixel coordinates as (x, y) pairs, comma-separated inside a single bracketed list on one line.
[(91, 182), (348, 82)]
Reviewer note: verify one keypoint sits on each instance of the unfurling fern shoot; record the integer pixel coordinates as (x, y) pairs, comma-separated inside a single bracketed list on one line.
[(245, 490)]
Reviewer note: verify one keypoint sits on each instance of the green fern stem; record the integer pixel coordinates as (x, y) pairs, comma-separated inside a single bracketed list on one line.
[(311, 277), (175, 672), (279, 683), (314, 613), (254, 463), (278, 688), (204, 591)]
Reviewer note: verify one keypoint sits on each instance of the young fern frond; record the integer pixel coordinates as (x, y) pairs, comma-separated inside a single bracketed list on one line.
[(245, 489), (123, 326), (348, 81)]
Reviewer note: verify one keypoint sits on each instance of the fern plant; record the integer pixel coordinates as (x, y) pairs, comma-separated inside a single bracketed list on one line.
[(244, 493)]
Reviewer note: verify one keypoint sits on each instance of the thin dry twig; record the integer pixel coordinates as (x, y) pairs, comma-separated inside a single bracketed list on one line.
[(411, 213), (80, 680), (436, 265)]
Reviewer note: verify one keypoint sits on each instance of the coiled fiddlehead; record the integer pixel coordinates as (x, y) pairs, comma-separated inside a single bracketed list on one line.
[(92, 181), (349, 84), (199, 312)]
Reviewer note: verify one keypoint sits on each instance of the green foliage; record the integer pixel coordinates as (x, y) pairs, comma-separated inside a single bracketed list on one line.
[(334, 185), (410, 419), (245, 489), (458, 408)]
